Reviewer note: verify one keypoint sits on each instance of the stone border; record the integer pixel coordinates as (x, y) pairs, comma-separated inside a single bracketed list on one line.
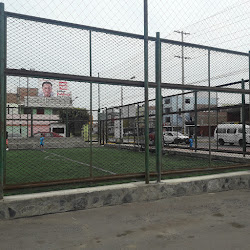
[(18, 206)]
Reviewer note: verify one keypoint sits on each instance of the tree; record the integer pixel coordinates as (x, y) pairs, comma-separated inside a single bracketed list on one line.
[(74, 118)]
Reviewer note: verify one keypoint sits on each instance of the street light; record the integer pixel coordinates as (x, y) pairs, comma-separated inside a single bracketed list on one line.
[(121, 110), (133, 77), (74, 100)]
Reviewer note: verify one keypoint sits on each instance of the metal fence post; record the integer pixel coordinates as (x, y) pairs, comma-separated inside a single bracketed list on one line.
[(128, 125), (146, 110), (249, 86), (209, 108), (158, 107), (120, 123), (195, 120), (138, 128), (243, 119), (28, 109), (2, 99), (91, 92), (98, 128), (106, 125), (217, 123), (31, 123)]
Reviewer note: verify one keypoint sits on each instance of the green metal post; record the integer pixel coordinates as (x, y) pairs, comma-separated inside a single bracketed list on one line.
[(106, 125), (98, 131), (31, 123), (120, 123), (217, 123), (91, 92), (28, 109), (2, 99), (67, 123), (195, 120), (158, 134), (243, 119), (146, 110), (249, 86), (128, 124), (177, 115), (138, 129), (209, 109), (103, 133)]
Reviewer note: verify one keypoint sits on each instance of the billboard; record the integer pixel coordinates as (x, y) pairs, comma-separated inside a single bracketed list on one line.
[(53, 88), (63, 89)]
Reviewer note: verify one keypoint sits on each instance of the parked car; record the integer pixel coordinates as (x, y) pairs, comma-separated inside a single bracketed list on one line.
[(170, 137), (47, 134), (231, 133), (174, 137)]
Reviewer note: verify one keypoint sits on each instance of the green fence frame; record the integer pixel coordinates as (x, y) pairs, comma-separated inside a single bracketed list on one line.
[(2, 98), (158, 85)]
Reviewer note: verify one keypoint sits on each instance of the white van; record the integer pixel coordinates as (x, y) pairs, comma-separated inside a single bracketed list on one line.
[(231, 133)]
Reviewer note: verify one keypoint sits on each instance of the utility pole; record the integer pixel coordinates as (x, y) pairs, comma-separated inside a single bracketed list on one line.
[(182, 75), (98, 93), (27, 107)]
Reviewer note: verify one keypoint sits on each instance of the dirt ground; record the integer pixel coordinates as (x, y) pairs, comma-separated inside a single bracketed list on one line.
[(207, 221)]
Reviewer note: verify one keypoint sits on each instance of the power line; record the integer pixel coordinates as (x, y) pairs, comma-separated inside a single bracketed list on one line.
[(220, 12)]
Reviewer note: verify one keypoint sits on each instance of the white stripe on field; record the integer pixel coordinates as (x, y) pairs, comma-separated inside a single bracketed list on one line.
[(79, 162)]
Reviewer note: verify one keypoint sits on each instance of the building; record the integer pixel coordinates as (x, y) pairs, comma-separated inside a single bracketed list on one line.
[(28, 113), (175, 120)]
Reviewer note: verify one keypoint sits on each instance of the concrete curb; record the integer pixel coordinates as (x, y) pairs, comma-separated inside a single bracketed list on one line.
[(19, 206)]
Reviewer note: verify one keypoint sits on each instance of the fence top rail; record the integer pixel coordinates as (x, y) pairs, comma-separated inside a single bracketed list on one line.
[(119, 33), (120, 82)]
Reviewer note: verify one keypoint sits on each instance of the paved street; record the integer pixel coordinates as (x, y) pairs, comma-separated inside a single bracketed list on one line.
[(207, 221), (203, 142)]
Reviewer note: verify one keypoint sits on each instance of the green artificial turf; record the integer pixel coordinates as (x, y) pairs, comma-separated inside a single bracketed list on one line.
[(26, 166)]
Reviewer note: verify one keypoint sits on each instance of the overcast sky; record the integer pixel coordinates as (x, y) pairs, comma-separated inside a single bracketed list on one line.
[(219, 23)]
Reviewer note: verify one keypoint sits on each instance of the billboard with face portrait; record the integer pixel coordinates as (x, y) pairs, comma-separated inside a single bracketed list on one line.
[(53, 88)]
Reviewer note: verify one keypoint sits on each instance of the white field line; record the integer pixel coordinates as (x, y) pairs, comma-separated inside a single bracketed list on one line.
[(79, 162)]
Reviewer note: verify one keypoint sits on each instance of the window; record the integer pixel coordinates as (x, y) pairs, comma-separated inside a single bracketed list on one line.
[(231, 131), (58, 130), (247, 130), (167, 101), (187, 100), (40, 111), (27, 111), (167, 110), (48, 135), (167, 119), (221, 130)]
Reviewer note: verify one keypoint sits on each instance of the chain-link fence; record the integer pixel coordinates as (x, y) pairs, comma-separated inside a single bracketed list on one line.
[(76, 111)]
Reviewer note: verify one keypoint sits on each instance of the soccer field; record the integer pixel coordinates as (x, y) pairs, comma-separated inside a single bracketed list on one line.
[(25, 166)]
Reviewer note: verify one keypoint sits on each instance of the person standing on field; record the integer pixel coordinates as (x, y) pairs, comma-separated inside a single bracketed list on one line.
[(41, 141), (190, 142)]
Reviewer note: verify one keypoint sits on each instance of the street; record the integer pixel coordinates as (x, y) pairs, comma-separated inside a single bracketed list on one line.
[(203, 142), (207, 221)]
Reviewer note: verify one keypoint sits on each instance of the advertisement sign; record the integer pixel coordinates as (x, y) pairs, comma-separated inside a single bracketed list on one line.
[(53, 88), (63, 89)]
